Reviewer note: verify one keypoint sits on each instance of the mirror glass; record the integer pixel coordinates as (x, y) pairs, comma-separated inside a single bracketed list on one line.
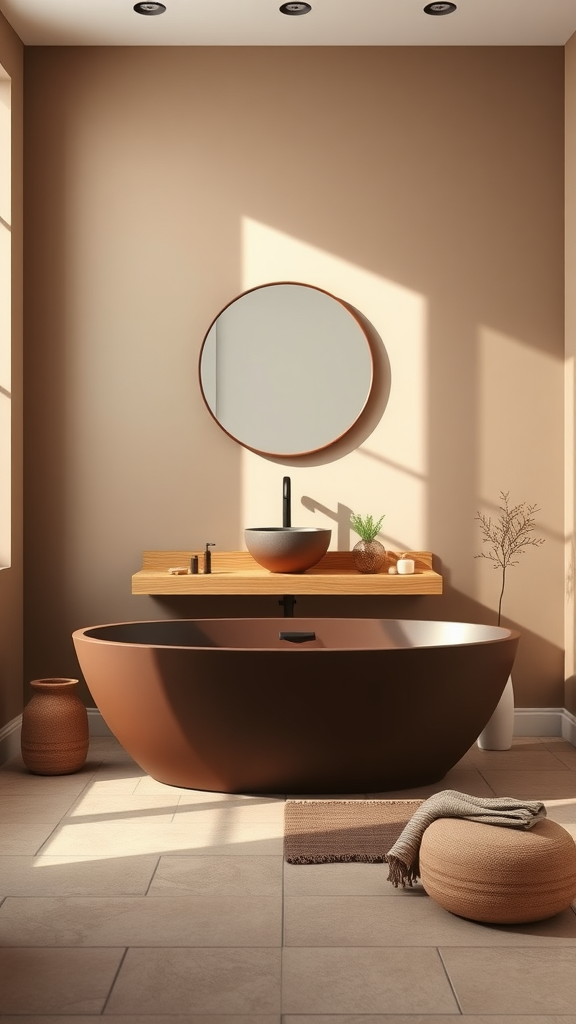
[(286, 369)]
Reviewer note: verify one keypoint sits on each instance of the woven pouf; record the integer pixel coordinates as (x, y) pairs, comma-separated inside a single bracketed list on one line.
[(499, 875)]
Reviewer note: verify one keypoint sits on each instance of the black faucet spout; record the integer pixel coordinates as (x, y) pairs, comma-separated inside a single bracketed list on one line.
[(286, 502)]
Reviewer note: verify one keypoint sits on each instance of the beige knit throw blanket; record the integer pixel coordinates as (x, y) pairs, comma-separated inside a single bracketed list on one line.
[(403, 857)]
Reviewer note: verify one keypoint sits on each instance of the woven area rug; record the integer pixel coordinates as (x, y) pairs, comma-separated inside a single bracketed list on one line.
[(323, 831)]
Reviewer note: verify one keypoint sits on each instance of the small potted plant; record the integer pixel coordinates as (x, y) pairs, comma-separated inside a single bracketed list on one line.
[(369, 554), (506, 537)]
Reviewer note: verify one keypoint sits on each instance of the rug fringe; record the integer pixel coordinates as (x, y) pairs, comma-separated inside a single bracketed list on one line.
[(336, 859), (370, 803)]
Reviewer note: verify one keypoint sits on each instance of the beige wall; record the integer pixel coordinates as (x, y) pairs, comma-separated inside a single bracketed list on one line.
[(11, 614), (423, 185), (570, 454)]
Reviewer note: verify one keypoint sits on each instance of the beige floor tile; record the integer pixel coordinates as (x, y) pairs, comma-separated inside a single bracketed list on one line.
[(187, 886), (354, 879), (34, 809), (556, 743), (529, 785), (58, 981), (195, 981), (23, 839), (204, 796), (231, 812), (521, 759), (93, 806), (76, 876), (212, 876), (115, 783), (521, 981), (118, 756), (142, 921), (531, 742), (563, 811), (567, 757), (153, 1018), (118, 839), (418, 1018), (107, 772), (464, 780), (49, 786), (149, 785), (378, 921), (364, 981), (191, 798)]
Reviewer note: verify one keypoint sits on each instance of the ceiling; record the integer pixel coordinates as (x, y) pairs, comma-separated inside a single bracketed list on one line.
[(260, 23)]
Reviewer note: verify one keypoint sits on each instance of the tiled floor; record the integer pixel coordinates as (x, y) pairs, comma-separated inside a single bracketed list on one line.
[(146, 904)]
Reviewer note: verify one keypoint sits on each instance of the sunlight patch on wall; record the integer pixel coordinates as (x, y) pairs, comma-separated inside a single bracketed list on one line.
[(387, 474), (520, 449), (5, 320)]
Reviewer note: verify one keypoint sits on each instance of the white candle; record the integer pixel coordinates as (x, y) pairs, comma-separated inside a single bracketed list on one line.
[(405, 566)]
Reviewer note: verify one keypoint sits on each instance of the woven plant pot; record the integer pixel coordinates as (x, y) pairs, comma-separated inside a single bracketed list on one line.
[(369, 555), (54, 728)]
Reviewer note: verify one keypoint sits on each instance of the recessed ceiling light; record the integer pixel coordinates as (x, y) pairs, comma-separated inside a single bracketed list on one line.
[(295, 8), (440, 8), (149, 8)]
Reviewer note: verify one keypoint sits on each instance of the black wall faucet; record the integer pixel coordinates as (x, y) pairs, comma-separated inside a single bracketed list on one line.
[(286, 502)]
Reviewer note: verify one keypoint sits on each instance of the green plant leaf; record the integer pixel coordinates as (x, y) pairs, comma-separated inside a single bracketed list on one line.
[(365, 526)]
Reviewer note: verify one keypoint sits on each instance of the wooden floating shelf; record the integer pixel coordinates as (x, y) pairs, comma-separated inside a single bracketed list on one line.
[(236, 572)]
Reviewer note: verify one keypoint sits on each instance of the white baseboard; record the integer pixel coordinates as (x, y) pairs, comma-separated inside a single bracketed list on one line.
[(545, 722), (527, 722), (538, 721)]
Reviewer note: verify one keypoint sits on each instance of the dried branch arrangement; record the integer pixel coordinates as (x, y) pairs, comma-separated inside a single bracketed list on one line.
[(507, 536)]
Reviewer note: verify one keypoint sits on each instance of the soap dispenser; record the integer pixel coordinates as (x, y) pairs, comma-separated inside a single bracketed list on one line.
[(208, 559)]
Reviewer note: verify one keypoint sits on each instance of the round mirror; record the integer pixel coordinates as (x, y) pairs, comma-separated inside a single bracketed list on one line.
[(286, 369)]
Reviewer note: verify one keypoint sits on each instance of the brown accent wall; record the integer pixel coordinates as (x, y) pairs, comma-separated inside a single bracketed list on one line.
[(419, 179), (11, 609)]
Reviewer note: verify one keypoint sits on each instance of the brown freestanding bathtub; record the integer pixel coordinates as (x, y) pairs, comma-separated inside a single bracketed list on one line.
[(296, 705)]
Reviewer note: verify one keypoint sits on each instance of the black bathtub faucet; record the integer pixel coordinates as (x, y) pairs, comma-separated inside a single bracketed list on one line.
[(286, 502)]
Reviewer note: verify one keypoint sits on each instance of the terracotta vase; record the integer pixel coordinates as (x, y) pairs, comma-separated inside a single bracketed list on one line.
[(369, 555), (54, 728)]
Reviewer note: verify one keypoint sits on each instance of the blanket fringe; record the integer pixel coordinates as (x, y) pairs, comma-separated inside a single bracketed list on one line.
[(401, 874)]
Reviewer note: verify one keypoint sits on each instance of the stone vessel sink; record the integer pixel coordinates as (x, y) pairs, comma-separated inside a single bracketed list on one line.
[(287, 548)]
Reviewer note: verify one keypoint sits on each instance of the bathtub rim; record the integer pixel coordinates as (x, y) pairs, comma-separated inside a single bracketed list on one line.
[(503, 634)]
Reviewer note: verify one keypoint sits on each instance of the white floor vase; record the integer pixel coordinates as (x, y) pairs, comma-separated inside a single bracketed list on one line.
[(498, 732)]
